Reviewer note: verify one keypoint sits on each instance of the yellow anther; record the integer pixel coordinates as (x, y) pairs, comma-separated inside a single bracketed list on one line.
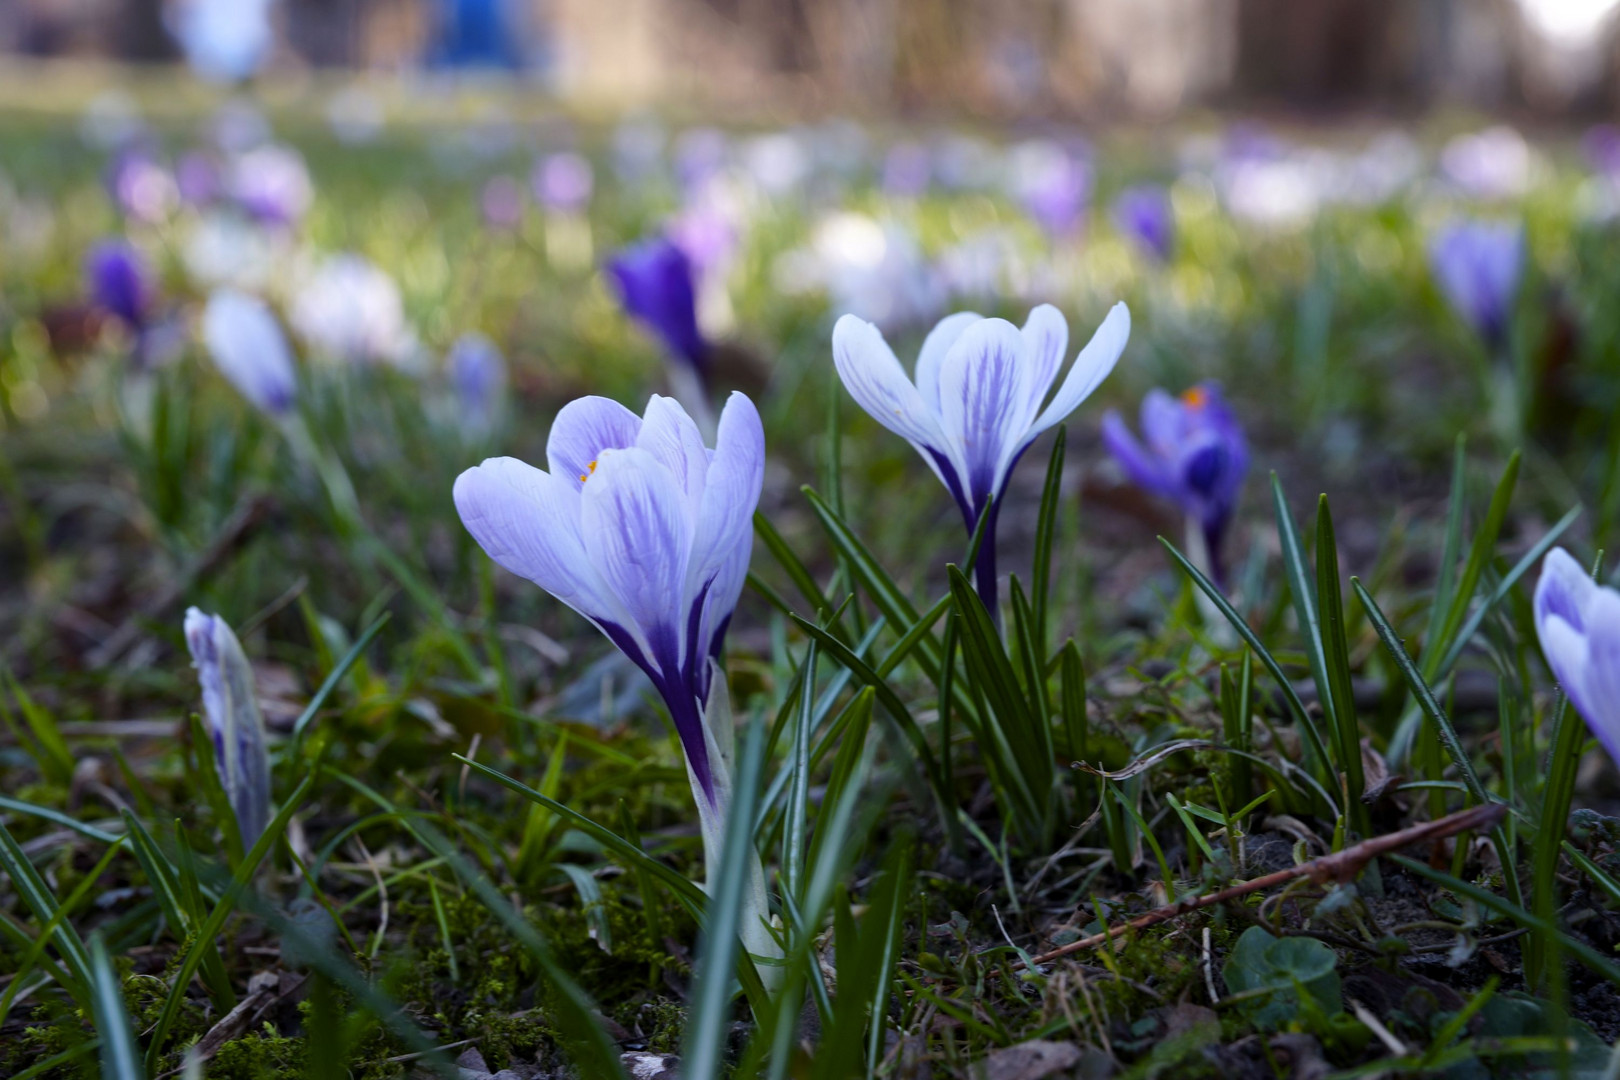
[(586, 475), (1195, 398)]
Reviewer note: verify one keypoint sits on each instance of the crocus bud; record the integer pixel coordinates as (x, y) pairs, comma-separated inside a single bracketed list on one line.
[(250, 350), (1477, 265), (118, 282), (232, 714), (654, 280), (477, 376), (1578, 622), (1143, 213)]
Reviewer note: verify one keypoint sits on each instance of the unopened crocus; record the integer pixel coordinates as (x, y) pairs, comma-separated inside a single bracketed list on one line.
[(654, 282), (979, 399), (119, 282), (1193, 453), (563, 183), (477, 375), (231, 711), (1143, 213), (1477, 265), (250, 350), (1578, 622), (647, 533)]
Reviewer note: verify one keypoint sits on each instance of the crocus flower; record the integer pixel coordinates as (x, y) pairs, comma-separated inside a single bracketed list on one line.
[(1195, 455), (1053, 184), (1143, 213), (232, 713), (654, 281), (1477, 265), (198, 178), (647, 533), (142, 186), (907, 169), (1493, 164), (271, 183), (976, 404), (351, 310), (224, 40), (119, 282), (1578, 622), (250, 350), (477, 375), (563, 182)]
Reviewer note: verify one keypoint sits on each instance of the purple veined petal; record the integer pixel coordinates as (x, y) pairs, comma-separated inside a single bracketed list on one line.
[(1046, 340), (529, 522), (231, 709), (879, 385), (986, 402), (671, 436), (1145, 469), (250, 350), (1090, 368), (1602, 688), (1564, 591), (946, 333), (582, 430), (635, 527), (725, 518)]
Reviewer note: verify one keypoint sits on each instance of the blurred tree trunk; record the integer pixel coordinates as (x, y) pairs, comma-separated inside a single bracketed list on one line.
[(141, 35), (1318, 52)]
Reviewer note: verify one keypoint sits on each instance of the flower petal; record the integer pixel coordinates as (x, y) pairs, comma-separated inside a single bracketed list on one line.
[(1564, 591), (1046, 337), (528, 521), (946, 333), (671, 436), (583, 429), (1602, 690), (1164, 423), (1146, 470), (876, 381), (1090, 368), (725, 533), (635, 526), (985, 402)]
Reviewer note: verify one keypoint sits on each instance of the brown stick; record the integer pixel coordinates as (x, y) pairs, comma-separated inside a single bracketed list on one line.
[(1341, 866)]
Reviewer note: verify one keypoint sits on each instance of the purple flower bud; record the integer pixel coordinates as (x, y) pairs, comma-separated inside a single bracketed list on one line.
[(477, 377), (231, 710), (250, 350), (118, 282), (1477, 265), (1144, 214), (563, 183), (502, 203), (1194, 455), (654, 281), (1578, 622)]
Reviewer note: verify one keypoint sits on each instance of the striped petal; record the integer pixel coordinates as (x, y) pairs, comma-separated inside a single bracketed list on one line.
[(1090, 368)]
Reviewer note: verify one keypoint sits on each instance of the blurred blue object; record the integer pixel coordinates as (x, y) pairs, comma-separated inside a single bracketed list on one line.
[(478, 34), (224, 40)]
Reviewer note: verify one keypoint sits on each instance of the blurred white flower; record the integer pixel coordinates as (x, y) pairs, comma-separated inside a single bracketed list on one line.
[(778, 162), (271, 183), (224, 249), (870, 269), (1494, 164), (350, 310), (224, 40), (1281, 193), (250, 350)]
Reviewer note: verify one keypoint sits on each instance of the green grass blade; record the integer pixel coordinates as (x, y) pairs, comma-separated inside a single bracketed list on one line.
[(1452, 549), (1342, 718), (1045, 535), (798, 806), (1303, 587), (28, 884), (333, 678), (709, 1022), (1318, 756), (119, 1058), (56, 817), (1479, 553)]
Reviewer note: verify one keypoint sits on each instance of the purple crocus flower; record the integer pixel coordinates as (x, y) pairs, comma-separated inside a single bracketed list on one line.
[(232, 713), (639, 528), (141, 186), (271, 183), (1195, 455), (1578, 622), (1477, 265), (477, 375), (1052, 183), (1144, 214), (907, 169), (654, 280), (563, 183), (976, 404), (250, 350), (119, 282), (198, 177), (1601, 145)]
